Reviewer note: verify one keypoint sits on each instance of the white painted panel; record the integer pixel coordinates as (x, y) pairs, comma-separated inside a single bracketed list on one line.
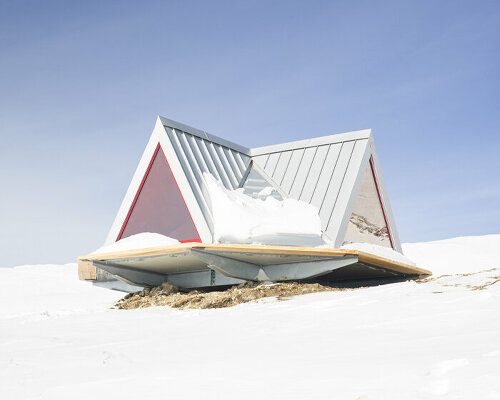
[(241, 160), (190, 157), (261, 160), (291, 170), (202, 144), (325, 175), (191, 170), (336, 180), (193, 142), (227, 167), (271, 163), (218, 164), (314, 172), (233, 165), (313, 142), (302, 172), (281, 167)]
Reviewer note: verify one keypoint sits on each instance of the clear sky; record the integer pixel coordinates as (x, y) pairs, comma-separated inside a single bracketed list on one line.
[(81, 84)]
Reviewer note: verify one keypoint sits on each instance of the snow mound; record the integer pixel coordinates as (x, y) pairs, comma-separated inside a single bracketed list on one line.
[(239, 218), (380, 251), (435, 338), (42, 291), (457, 255), (139, 241)]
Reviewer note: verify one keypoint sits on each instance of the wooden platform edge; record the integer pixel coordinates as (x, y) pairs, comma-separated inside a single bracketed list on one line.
[(391, 264), (86, 271), (251, 248)]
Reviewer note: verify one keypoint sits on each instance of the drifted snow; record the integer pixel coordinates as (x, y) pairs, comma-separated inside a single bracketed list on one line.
[(239, 218), (138, 241), (380, 251), (458, 255), (59, 339)]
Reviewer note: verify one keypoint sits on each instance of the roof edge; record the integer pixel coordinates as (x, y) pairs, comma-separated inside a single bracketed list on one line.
[(317, 141), (203, 135)]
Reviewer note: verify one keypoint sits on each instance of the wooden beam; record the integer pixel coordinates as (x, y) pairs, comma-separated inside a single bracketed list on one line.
[(86, 271)]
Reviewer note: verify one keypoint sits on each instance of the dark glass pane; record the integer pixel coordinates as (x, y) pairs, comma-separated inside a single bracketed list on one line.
[(159, 207)]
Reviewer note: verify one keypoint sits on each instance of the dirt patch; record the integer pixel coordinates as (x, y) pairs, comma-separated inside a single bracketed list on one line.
[(169, 295)]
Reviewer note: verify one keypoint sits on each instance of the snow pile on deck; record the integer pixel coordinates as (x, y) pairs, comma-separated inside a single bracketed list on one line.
[(239, 218), (381, 251), (139, 241), (436, 339)]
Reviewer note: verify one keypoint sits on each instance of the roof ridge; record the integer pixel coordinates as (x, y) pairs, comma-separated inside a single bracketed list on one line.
[(317, 141), (203, 135)]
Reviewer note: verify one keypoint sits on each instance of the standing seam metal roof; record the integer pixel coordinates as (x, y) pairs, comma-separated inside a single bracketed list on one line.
[(198, 153), (322, 175), (319, 171)]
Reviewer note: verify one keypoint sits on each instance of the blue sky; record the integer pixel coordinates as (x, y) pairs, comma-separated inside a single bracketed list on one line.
[(81, 84)]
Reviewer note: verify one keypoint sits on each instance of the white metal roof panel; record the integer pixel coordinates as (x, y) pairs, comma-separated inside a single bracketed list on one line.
[(198, 155), (318, 141), (318, 172)]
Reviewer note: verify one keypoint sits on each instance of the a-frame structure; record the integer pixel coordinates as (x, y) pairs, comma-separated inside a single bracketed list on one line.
[(339, 174)]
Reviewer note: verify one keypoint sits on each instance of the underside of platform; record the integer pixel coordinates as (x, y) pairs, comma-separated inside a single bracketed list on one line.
[(199, 265)]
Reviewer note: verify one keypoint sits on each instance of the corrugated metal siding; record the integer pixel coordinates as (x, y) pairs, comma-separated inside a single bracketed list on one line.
[(198, 155), (320, 175)]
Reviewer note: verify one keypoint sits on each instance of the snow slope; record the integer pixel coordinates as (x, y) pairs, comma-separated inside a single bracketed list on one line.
[(436, 340), (458, 255)]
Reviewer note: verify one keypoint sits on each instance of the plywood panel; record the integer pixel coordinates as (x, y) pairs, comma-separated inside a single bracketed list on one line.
[(86, 271)]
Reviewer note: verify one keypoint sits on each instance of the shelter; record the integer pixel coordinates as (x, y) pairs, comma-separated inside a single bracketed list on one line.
[(339, 174)]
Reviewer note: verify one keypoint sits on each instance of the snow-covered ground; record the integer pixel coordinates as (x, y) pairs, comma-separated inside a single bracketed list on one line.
[(59, 339)]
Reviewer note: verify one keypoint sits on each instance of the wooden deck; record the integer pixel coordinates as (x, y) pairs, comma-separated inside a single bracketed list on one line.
[(258, 251)]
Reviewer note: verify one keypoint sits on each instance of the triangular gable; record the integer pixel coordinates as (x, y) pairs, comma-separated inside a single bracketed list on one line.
[(321, 171), (158, 205), (188, 154), (368, 222)]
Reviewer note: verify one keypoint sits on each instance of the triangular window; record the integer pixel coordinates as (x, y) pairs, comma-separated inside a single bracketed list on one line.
[(368, 223), (158, 206)]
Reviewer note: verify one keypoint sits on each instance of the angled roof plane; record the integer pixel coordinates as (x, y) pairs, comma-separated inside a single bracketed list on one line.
[(338, 174)]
